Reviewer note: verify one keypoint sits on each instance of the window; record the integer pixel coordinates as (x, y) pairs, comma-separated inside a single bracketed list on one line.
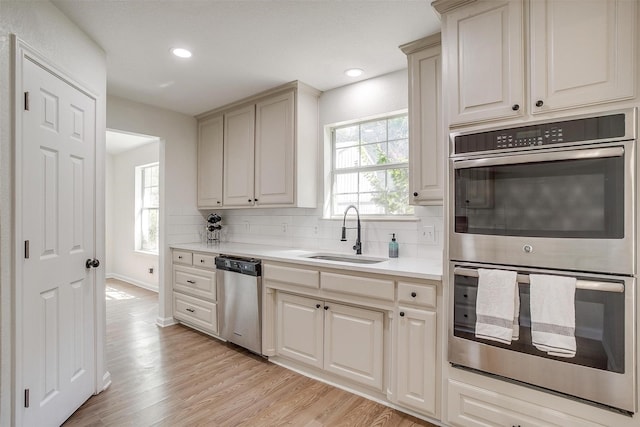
[(147, 207), (370, 167)]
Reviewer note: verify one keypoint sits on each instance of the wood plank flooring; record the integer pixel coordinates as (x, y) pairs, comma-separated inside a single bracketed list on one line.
[(176, 376)]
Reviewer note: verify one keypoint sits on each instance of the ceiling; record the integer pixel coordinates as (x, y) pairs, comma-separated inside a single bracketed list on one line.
[(118, 142), (242, 47)]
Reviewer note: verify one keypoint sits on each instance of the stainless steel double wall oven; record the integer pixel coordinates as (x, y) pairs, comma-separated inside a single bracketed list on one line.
[(554, 197)]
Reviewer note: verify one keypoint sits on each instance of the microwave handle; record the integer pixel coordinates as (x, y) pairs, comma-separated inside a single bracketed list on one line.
[(589, 153), (589, 285)]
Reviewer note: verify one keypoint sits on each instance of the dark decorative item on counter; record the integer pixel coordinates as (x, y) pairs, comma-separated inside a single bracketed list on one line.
[(213, 228)]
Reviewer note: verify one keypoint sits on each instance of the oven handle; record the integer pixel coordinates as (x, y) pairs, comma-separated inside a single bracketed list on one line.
[(589, 153), (589, 285)]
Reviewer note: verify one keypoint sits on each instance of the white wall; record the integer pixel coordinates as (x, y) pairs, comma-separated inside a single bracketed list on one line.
[(125, 262), (305, 228), (41, 25), (180, 221)]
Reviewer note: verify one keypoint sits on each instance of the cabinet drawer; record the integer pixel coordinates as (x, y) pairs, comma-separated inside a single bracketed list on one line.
[(199, 313), (182, 257), (355, 285), (424, 295), (204, 261), (195, 281), (291, 275), (474, 406)]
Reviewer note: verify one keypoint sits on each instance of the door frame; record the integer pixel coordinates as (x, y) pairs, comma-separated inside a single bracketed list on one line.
[(22, 51)]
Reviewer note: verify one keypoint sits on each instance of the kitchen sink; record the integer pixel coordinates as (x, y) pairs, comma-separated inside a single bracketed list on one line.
[(354, 259)]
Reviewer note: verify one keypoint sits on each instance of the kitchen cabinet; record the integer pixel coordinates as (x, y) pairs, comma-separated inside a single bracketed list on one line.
[(238, 179), (426, 142), (415, 368), (269, 149), (194, 290), (469, 406), (341, 339), (484, 49), (599, 68), (210, 162), (579, 54)]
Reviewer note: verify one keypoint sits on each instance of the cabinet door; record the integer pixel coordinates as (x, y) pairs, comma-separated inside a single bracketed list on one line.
[(210, 137), (299, 323), (582, 53), (416, 359), (239, 126), (354, 344), (485, 78), (275, 150), (426, 145)]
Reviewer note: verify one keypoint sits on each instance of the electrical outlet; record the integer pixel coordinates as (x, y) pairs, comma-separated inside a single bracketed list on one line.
[(315, 229), (247, 227), (284, 228), (429, 234), (150, 270)]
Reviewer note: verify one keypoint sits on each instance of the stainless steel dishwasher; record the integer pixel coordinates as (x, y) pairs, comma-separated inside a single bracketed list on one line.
[(240, 301)]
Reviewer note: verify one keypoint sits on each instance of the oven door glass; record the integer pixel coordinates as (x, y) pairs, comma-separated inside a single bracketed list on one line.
[(577, 198), (599, 331)]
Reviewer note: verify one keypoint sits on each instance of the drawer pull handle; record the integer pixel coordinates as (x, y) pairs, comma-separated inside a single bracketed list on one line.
[(402, 314), (191, 310), (179, 256), (326, 307), (317, 305), (193, 282), (202, 260), (413, 295)]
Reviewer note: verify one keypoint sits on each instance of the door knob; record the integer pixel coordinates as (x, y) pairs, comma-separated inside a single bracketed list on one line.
[(92, 263)]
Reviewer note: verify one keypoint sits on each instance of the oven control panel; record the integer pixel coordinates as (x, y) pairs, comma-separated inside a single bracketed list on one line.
[(578, 130)]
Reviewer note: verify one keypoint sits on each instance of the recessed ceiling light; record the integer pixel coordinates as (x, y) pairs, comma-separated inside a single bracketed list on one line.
[(354, 72), (180, 52)]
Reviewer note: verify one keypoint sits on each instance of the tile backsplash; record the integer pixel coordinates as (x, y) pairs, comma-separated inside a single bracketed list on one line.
[(306, 229)]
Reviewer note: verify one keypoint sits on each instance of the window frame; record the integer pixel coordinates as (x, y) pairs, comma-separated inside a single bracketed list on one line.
[(331, 171), (140, 207)]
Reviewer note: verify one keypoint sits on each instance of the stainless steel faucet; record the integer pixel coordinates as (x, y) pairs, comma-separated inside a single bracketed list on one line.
[(358, 246)]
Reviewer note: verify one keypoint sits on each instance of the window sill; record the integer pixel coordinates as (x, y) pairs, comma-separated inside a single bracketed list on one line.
[(143, 252)]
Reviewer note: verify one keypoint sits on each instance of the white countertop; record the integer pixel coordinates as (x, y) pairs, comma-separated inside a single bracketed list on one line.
[(420, 268)]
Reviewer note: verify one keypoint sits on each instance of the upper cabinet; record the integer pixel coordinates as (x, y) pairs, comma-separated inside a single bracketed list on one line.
[(426, 157), (577, 54), (270, 149), (581, 54), (210, 137), (483, 44)]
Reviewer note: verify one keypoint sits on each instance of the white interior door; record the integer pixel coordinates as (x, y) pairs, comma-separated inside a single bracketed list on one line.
[(58, 219)]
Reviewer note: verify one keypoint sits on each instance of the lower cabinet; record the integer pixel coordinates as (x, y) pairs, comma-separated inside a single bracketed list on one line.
[(416, 359), (474, 406), (202, 314), (345, 340)]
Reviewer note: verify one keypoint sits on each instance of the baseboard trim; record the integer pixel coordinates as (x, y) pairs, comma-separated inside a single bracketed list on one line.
[(164, 322), (140, 284)]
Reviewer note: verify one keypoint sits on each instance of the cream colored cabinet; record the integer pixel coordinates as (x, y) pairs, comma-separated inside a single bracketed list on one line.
[(579, 54), (239, 133), (582, 53), (470, 406), (270, 149), (484, 49), (344, 340), (426, 143), (300, 330), (210, 162), (194, 290), (416, 372)]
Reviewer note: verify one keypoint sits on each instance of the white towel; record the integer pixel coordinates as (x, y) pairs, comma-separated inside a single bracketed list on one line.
[(497, 305), (553, 314)]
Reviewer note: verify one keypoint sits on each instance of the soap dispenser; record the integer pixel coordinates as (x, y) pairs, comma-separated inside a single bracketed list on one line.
[(393, 247)]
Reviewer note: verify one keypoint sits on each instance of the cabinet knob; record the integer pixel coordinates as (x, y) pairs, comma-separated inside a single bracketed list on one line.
[(202, 261), (413, 295), (515, 107), (326, 307), (255, 200), (250, 200), (539, 103), (415, 194), (179, 256), (317, 305), (218, 202), (402, 314)]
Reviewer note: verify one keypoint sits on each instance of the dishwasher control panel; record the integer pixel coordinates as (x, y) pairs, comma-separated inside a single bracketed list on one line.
[(249, 266)]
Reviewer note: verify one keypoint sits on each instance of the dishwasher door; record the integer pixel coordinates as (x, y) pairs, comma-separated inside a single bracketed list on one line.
[(240, 299)]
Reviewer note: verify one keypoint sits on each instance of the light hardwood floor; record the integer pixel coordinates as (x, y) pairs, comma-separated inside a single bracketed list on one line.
[(175, 376)]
